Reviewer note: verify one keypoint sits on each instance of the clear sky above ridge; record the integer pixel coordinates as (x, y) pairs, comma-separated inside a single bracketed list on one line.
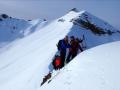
[(107, 10)]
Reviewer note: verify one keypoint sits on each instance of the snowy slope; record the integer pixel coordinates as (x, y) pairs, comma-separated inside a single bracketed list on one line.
[(24, 65), (91, 39), (94, 69), (12, 29)]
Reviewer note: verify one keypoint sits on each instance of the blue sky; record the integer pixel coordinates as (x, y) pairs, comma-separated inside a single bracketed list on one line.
[(107, 10)]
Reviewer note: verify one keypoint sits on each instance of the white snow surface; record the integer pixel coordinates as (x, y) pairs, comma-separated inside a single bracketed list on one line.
[(12, 29), (28, 60), (94, 69)]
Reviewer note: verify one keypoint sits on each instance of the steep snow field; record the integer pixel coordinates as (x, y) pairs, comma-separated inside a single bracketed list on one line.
[(12, 29), (94, 69), (28, 60)]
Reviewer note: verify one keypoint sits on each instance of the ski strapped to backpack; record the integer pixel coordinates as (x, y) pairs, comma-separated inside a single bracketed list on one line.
[(83, 43)]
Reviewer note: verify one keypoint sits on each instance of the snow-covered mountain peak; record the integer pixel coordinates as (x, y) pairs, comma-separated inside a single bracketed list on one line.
[(12, 29), (93, 28), (89, 21), (72, 14), (83, 18)]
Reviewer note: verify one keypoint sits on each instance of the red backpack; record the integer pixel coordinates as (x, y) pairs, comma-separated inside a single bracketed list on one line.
[(57, 62)]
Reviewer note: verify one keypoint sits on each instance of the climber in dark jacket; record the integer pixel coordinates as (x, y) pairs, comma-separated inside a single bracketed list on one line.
[(62, 47), (75, 46)]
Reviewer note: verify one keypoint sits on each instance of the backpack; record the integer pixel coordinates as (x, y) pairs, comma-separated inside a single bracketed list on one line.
[(57, 62)]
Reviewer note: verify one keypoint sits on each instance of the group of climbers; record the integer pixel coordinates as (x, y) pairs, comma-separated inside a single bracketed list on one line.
[(72, 45), (67, 49)]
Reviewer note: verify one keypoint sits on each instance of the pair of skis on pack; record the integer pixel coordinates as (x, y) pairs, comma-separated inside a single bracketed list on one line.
[(83, 43)]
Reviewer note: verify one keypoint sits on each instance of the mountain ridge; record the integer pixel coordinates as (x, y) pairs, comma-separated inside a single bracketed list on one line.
[(28, 60), (12, 29)]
